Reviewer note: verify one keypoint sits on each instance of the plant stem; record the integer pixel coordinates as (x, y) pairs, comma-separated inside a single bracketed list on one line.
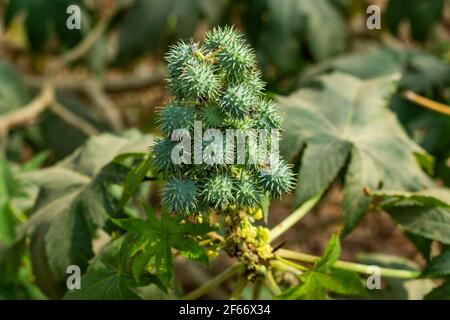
[(278, 265), (240, 286), (295, 216), (205, 242), (426, 103), (291, 264), (256, 293), (350, 266), (29, 112), (22, 217), (200, 55), (215, 236), (272, 284), (214, 282), (105, 106), (199, 276), (72, 119)]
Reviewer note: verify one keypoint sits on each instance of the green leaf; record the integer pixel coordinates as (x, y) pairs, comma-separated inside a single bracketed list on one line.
[(330, 256), (148, 21), (438, 197), (13, 93), (312, 288), (7, 223), (134, 180), (36, 161), (439, 266), (16, 277), (43, 19), (153, 239), (425, 72), (346, 283), (315, 176), (347, 121), (425, 213), (325, 28), (279, 41), (9, 188), (74, 200), (440, 293), (428, 222), (421, 16), (421, 72), (371, 63), (323, 278), (422, 244), (108, 277), (290, 24), (10, 262)]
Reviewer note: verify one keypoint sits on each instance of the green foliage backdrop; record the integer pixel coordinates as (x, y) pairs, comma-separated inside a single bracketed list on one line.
[(84, 159)]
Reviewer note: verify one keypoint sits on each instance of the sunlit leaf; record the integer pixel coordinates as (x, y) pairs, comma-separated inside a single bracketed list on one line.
[(346, 125)]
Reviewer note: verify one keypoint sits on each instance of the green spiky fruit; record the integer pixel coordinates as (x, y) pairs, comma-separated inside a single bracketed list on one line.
[(220, 37), (178, 57), (215, 152), (247, 193), (277, 179), (254, 81), (218, 83), (176, 116), (268, 117), (211, 117), (198, 81), (162, 156), (233, 54), (218, 191), (237, 101), (180, 195), (240, 124)]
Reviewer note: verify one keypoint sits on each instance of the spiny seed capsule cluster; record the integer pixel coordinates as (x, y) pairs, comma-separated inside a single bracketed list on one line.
[(218, 84)]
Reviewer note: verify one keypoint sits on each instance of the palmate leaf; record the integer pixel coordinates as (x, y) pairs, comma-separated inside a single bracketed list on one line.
[(323, 278), (422, 72), (424, 213), (74, 200), (346, 124), (153, 239), (109, 277)]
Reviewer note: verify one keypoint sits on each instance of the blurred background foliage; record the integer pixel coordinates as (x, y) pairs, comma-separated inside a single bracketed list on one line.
[(117, 83)]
